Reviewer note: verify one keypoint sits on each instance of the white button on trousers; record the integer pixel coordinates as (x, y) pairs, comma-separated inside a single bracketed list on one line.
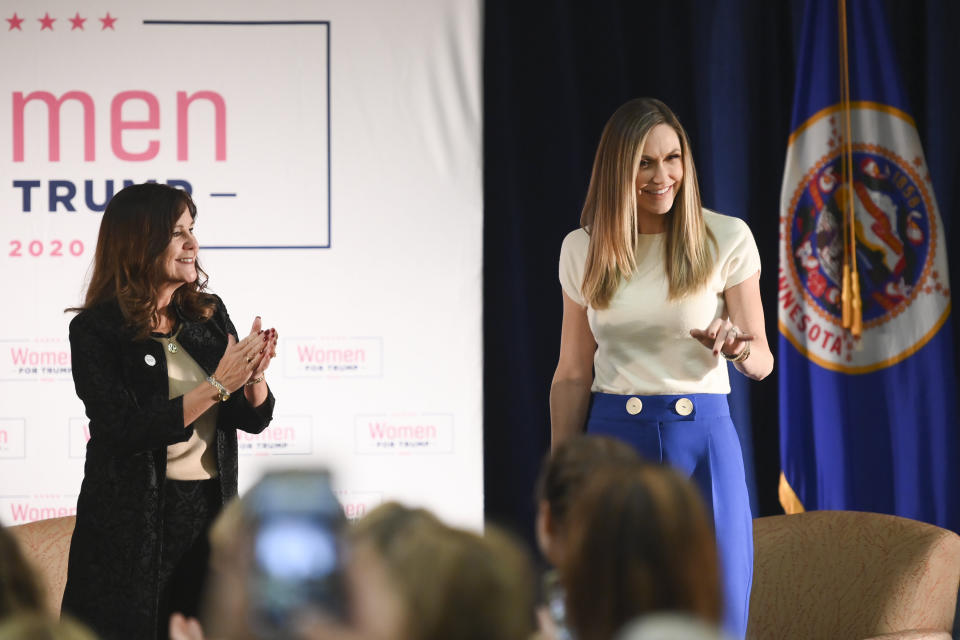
[(683, 406), (634, 406)]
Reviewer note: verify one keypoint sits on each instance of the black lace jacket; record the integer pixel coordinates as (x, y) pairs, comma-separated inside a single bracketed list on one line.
[(115, 550)]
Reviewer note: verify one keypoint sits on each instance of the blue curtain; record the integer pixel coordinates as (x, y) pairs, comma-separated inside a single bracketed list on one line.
[(553, 73)]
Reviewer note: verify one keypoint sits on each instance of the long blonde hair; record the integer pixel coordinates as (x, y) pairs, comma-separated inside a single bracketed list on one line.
[(610, 210)]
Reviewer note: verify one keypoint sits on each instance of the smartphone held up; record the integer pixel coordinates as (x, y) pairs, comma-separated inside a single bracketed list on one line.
[(297, 568)]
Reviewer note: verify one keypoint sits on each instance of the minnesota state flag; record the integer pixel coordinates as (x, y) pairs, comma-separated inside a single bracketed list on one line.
[(867, 384)]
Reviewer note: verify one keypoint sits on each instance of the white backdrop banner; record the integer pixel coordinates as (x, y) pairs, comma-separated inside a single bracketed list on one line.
[(334, 153)]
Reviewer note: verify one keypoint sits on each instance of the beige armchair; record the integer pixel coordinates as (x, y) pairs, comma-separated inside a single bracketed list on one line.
[(46, 544), (852, 575)]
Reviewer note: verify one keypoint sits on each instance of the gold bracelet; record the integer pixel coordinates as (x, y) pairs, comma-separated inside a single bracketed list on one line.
[(738, 357), (222, 394), (253, 382)]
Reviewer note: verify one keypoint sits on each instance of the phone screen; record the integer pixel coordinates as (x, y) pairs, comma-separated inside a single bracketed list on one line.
[(292, 548), (298, 525)]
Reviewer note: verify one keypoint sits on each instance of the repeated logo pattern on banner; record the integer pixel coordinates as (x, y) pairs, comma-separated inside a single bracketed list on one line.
[(334, 155)]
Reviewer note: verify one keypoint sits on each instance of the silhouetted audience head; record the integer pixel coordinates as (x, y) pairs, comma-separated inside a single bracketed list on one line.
[(412, 577), (639, 541), (225, 607), (407, 576), (40, 626), (563, 474), (670, 626), (19, 585)]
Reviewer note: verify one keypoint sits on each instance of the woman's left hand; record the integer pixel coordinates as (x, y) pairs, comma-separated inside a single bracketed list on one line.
[(267, 353), (256, 387), (722, 336)]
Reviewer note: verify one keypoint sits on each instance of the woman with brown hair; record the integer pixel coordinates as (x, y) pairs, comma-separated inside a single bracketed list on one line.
[(166, 384), (563, 474), (658, 294), (640, 542)]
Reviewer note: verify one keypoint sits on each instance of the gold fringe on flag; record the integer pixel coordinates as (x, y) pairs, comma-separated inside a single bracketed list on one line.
[(788, 499), (852, 310)]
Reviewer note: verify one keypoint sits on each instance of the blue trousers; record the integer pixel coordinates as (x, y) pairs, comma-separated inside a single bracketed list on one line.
[(703, 445)]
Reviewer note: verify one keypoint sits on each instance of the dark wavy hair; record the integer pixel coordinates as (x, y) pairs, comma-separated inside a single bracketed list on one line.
[(128, 264)]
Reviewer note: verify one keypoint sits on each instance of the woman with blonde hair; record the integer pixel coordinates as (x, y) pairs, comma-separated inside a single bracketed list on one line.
[(658, 294)]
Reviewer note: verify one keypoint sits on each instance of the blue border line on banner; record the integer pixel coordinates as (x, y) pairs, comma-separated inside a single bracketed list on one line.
[(244, 23)]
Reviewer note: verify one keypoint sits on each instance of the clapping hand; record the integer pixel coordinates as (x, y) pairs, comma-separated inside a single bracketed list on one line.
[(267, 352), (245, 361)]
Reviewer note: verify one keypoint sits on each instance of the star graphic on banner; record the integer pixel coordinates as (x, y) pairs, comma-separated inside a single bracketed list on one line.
[(107, 22), (46, 22), (15, 22), (918, 162), (77, 22)]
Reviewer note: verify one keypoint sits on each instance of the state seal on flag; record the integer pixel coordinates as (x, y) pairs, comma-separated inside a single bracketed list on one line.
[(900, 262)]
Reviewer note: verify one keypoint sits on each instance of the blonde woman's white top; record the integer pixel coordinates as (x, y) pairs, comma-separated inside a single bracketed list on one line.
[(643, 339)]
